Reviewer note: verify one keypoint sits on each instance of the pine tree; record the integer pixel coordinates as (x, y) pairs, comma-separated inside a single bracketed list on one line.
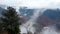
[(11, 20)]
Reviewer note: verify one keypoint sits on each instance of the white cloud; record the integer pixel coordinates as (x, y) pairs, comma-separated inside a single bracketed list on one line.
[(32, 3)]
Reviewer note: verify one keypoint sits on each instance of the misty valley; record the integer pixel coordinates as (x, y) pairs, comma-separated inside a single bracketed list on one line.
[(29, 20)]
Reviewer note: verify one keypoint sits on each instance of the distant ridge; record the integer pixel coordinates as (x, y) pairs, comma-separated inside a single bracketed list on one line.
[(3, 6)]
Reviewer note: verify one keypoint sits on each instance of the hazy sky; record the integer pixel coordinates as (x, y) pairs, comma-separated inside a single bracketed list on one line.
[(32, 3)]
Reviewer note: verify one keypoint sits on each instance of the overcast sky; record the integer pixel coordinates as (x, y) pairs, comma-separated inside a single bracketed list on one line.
[(32, 3)]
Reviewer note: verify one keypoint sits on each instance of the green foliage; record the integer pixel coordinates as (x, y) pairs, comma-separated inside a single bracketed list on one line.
[(11, 20)]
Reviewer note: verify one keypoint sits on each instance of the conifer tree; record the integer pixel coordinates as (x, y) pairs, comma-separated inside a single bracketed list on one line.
[(11, 20)]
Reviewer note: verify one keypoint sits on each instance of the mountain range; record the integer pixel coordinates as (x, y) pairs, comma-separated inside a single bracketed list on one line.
[(52, 14)]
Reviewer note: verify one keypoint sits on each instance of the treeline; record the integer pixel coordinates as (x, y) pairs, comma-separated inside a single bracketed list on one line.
[(10, 21)]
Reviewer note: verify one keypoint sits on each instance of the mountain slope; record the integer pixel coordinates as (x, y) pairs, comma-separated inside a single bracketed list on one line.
[(52, 13), (26, 12), (1, 11)]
